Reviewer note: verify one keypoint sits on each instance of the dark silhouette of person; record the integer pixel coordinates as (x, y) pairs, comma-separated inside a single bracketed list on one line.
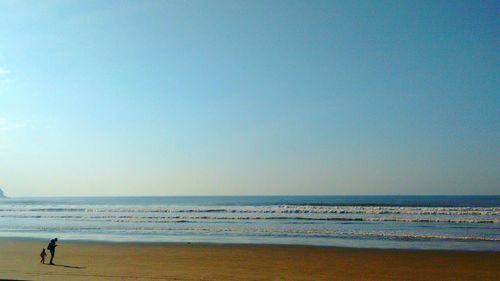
[(52, 248), (42, 256)]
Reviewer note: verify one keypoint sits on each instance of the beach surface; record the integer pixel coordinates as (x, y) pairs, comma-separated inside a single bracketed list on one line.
[(20, 260)]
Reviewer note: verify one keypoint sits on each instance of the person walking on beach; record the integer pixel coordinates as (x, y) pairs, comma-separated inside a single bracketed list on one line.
[(52, 248), (43, 254)]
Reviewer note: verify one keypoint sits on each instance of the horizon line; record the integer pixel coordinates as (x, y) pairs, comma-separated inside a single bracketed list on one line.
[(275, 195)]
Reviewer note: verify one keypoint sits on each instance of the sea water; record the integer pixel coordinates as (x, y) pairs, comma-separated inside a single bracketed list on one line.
[(416, 222)]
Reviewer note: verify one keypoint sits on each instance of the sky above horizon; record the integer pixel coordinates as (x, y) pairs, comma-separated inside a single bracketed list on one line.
[(249, 97)]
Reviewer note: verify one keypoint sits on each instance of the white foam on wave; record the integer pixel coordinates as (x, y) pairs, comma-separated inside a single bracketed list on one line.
[(281, 209), (168, 219)]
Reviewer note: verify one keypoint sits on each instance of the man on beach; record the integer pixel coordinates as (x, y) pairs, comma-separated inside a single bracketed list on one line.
[(52, 248)]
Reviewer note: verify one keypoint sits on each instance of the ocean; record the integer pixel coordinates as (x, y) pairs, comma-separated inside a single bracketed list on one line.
[(407, 222)]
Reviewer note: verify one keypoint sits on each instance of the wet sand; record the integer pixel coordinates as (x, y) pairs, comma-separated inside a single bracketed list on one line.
[(19, 259)]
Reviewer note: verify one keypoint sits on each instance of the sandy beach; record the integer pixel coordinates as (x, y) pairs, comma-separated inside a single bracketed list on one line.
[(106, 261)]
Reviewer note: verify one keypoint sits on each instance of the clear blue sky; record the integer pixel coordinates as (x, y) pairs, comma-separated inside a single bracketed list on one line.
[(249, 97)]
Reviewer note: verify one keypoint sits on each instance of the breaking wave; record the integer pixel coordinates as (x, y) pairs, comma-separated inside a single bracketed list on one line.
[(282, 209)]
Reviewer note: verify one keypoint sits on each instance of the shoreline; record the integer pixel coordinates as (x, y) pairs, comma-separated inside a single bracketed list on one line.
[(153, 243), (189, 262), (345, 221)]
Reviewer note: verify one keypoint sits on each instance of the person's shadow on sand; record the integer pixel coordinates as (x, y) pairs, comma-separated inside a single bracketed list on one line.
[(67, 266)]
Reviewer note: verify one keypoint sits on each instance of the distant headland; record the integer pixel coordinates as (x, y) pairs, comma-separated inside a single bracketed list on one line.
[(2, 195)]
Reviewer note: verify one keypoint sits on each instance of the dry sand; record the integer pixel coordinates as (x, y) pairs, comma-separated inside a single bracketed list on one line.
[(19, 259)]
